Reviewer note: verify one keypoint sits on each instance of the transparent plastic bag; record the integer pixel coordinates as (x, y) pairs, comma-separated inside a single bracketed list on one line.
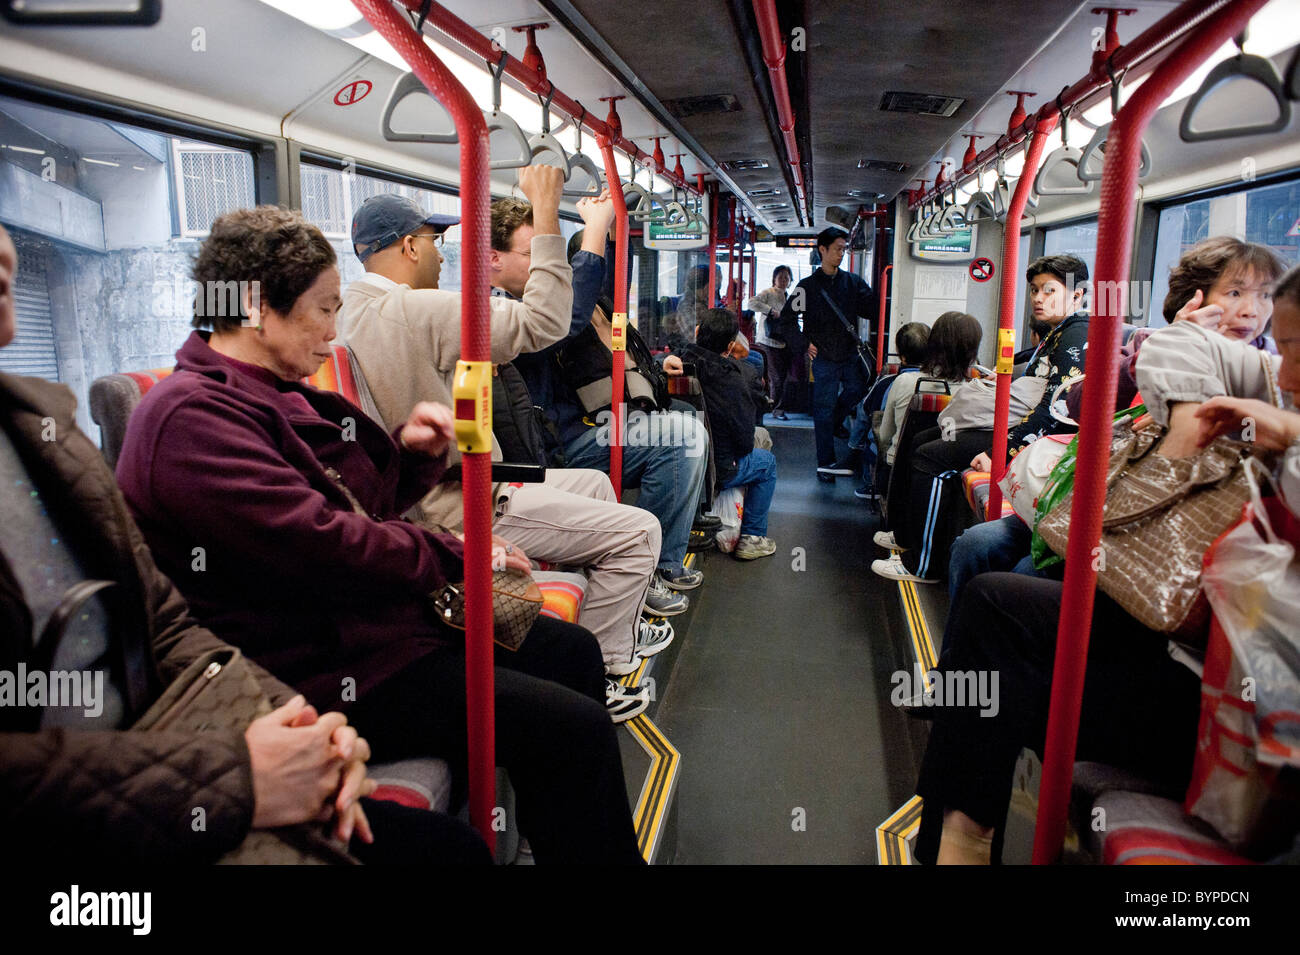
[(729, 504)]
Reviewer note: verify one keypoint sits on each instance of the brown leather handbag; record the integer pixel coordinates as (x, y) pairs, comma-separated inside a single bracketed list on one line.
[(1161, 516), (218, 691), (516, 604)]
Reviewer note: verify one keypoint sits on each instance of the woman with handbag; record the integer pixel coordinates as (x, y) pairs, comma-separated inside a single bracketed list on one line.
[(768, 339), (276, 509), (95, 781), (1140, 705)]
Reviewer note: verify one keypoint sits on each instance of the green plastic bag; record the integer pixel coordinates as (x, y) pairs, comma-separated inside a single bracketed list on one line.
[(1059, 483)]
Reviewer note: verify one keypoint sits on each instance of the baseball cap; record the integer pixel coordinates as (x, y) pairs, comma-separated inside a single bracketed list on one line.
[(384, 219)]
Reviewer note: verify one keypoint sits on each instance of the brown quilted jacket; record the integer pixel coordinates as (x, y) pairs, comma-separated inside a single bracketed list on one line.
[(120, 795)]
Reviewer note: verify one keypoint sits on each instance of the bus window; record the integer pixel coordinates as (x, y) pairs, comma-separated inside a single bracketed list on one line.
[(106, 218)]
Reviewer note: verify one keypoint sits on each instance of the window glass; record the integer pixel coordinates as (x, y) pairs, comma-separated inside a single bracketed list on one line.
[(1079, 239), (107, 219), (1022, 288), (331, 196), (1269, 215)]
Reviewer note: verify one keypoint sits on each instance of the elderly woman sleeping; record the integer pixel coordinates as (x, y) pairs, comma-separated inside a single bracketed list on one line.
[(275, 507)]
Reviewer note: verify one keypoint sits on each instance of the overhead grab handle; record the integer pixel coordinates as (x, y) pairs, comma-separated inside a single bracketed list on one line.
[(1248, 65), (580, 163), (954, 217), (544, 148), (1066, 155), (504, 130), (1098, 141), (406, 85)]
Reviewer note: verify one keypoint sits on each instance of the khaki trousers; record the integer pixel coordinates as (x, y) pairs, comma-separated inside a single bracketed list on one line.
[(573, 519)]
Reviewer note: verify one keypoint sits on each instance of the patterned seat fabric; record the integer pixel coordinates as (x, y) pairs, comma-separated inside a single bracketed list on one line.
[(976, 485)]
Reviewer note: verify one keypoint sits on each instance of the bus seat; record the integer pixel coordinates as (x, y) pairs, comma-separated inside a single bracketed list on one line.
[(112, 399), (921, 415), (976, 485)]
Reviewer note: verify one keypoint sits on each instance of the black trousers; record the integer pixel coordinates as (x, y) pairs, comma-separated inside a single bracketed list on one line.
[(553, 735), (407, 836), (931, 516), (1139, 709)]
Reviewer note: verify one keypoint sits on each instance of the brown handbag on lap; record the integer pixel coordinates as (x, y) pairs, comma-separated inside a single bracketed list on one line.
[(219, 692), (1161, 516)]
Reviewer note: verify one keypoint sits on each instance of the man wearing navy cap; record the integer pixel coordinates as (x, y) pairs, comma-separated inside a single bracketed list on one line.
[(395, 222)]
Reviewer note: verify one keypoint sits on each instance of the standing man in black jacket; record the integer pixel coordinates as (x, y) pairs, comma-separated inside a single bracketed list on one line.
[(833, 346)]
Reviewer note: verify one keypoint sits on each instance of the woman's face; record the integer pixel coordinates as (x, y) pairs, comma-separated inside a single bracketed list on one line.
[(1246, 298), (782, 280), (295, 345)]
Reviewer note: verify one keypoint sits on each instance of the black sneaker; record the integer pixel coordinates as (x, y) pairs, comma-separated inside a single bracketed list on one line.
[(847, 466), (866, 492), (706, 522), (824, 477)]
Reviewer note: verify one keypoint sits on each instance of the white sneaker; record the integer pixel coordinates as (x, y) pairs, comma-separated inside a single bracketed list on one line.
[(651, 638), (752, 547), (886, 540), (892, 568), (660, 601), (624, 702)]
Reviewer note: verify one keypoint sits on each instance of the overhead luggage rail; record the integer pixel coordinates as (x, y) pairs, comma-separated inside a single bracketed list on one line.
[(1114, 244), (457, 29), (474, 379), (1133, 59)]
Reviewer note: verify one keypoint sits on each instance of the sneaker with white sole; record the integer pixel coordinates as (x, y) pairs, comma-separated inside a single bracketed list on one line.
[(752, 547), (686, 580), (624, 702), (886, 540), (651, 638), (892, 568), (660, 601)]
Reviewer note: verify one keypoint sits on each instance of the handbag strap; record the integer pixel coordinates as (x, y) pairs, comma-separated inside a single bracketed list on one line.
[(1199, 477), (840, 315)]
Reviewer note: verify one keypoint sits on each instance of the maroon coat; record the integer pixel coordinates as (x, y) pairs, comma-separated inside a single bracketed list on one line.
[(224, 467)]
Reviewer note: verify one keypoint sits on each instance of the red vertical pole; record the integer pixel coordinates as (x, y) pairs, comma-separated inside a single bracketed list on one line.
[(618, 321), (1114, 246), (476, 462), (880, 324), (1006, 343), (713, 246)]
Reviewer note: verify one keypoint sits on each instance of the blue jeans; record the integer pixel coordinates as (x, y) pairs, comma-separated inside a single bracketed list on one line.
[(828, 377), (756, 472), (666, 455)]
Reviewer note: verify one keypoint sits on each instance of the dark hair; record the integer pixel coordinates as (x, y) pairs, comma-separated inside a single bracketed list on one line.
[(717, 329), (1059, 266), (575, 244), (953, 346), (1288, 288), (507, 216), (1206, 262), (829, 235), (275, 248), (911, 340), (1040, 327), (779, 269)]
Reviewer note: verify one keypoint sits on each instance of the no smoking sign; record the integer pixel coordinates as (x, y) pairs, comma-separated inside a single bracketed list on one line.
[(353, 92), (981, 270)]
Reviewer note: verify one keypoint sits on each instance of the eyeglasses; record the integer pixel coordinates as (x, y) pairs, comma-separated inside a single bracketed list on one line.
[(437, 237)]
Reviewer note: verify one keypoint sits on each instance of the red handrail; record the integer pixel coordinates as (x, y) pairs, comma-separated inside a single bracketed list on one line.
[(1134, 59), (1114, 244), (620, 307), (880, 324), (448, 23), (471, 131), (769, 31), (1006, 340)]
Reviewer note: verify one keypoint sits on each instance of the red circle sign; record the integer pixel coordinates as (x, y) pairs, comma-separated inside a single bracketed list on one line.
[(352, 93), (981, 270)]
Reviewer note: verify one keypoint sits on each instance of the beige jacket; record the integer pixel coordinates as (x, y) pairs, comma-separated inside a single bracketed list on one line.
[(407, 342)]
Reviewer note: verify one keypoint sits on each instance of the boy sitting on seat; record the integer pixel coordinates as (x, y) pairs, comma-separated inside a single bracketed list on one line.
[(732, 391)]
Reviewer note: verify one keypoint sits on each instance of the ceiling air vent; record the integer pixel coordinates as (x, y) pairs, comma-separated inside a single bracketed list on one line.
[(737, 165), (927, 104), (885, 165), (865, 194), (775, 205), (763, 193), (686, 106)]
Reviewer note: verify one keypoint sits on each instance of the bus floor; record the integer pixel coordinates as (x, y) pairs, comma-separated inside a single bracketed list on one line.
[(779, 702)]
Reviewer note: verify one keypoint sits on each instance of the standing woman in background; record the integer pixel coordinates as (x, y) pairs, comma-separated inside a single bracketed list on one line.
[(766, 306)]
